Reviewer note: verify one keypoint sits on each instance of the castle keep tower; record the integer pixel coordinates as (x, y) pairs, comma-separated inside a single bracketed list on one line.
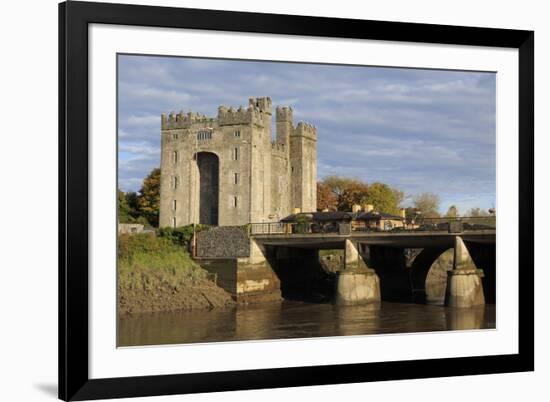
[(227, 170)]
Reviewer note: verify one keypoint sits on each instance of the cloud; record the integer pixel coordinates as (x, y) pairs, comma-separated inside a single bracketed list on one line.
[(419, 130), (147, 120)]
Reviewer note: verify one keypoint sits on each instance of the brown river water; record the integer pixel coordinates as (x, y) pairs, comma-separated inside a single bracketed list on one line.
[(296, 319)]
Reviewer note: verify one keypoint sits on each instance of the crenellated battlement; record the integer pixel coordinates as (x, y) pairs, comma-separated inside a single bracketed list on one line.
[(181, 120), (230, 116), (257, 109), (307, 130), (283, 114), (262, 104)]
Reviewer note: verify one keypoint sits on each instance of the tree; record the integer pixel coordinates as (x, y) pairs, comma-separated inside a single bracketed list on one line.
[(133, 204), (354, 193), (410, 213), (384, 198), (326, 199), (475, 212), (452, 212), (149, 197), (123, 208), (337, 184), (427, 204)]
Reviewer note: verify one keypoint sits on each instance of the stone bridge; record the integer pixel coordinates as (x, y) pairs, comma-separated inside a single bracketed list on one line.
[(376, 266)]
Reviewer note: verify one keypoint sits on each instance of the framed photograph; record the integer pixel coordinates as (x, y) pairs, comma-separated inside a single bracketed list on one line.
[(258, 200)]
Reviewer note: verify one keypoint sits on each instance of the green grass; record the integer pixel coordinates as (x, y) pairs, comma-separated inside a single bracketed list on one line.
[(146, 262)]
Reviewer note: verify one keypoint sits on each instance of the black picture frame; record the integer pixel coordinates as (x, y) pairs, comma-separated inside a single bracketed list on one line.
[(74, 18)]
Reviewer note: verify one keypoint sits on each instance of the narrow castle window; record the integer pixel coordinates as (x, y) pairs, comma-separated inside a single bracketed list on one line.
[(204, 135), (175, 156), (236, 178), (174, 222), (174, 205), (237, 133), (175, 136), (235, 202), (235, 155), (175, 182)]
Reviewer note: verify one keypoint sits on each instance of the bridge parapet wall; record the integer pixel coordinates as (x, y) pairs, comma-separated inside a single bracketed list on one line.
[(223, 242)]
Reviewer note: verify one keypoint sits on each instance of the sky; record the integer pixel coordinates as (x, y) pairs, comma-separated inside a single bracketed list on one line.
[(417, 130)]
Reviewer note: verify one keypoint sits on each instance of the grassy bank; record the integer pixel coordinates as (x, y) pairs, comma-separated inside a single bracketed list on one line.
[(156, 274)]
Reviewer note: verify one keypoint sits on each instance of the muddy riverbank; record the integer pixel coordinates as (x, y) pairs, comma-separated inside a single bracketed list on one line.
[(157, 275), (164, 297)]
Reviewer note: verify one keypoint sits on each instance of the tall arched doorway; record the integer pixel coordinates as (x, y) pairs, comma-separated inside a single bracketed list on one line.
[(209, 168)]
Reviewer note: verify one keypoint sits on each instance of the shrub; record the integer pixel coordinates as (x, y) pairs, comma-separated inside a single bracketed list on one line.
[(181, 235), (302, 223)]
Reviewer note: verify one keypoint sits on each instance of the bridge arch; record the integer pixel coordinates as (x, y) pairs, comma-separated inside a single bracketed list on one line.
[(419, 272), (483, 256)]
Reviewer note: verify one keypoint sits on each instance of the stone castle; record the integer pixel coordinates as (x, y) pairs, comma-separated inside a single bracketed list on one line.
[(228, 171)]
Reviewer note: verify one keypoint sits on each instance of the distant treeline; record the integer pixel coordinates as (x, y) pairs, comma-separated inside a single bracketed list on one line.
[(339, 193), (334, 193)]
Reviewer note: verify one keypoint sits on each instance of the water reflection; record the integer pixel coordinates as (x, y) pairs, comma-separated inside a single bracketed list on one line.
[(291, 319)]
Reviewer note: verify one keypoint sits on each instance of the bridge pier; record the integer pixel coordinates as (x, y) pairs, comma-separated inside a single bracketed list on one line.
[(464, 286), (256, 280), (356, 283)]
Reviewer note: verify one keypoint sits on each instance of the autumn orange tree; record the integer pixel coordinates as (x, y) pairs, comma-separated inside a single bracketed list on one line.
[(326, 199), (354, 193), (341, 193), (337, 184)]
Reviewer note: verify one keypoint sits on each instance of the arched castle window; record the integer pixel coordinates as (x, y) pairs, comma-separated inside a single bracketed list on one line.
[(175, 156), (175, 182)]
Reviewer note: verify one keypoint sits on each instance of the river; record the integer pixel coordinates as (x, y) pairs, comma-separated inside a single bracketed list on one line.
[(295, 319)]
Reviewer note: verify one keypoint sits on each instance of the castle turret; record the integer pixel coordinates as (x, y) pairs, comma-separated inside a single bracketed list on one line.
[(263, 104), (303, 167), (283, 118)]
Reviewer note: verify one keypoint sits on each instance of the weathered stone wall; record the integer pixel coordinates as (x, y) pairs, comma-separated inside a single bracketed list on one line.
[(130, 228), (225, 271), (257, 283), (246, 282), (223, 242), (303, 162), (280, 179)]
